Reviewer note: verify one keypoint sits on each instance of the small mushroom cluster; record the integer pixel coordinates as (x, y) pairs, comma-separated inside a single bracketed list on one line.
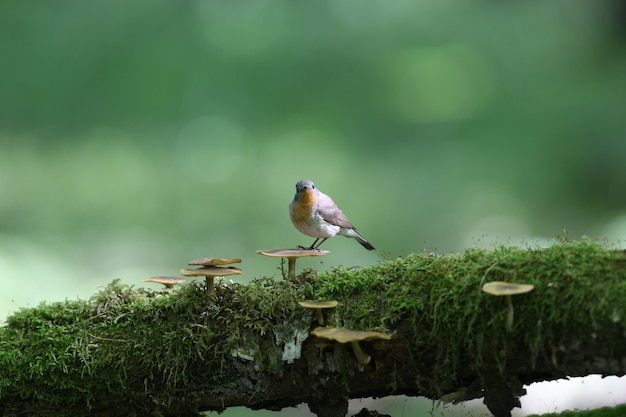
[(208, 268), (341, 334), (215, 267), (211, 268)]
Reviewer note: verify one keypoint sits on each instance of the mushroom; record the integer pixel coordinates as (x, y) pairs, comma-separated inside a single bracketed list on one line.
[(292, 255), (167, 281), (318, 306), (210, 272), (214, 261), (321, 347), (507, 289), (343, 335)]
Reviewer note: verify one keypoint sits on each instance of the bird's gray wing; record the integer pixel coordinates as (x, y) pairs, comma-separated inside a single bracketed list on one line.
[(329, 211)]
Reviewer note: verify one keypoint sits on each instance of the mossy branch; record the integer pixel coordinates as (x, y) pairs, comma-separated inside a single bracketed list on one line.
[(132, 351)]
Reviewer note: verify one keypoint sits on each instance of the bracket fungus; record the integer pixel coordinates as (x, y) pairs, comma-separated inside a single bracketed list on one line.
[(318, 306), (210, 270), (507, 289), (292, 255), (169, 282), (343, 335)]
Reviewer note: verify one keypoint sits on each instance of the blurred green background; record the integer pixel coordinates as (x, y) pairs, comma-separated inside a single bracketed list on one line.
[(135, 136)]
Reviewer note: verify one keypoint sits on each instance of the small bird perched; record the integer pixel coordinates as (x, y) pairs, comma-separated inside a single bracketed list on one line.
[(315, 214)]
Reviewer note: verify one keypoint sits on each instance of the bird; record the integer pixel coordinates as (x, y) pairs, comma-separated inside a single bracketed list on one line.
[(315, 214)]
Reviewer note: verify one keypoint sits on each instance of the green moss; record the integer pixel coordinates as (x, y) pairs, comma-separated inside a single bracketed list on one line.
[(127, 345), (578, 285), (618, 411)]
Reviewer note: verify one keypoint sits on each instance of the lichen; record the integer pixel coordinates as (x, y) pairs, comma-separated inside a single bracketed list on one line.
[(297, 332)]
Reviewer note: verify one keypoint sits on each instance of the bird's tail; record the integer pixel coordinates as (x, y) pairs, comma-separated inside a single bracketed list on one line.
[(362, 241), (355, 235)]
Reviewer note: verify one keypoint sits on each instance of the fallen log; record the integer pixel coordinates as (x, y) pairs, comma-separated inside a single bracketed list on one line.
[(128, 351)]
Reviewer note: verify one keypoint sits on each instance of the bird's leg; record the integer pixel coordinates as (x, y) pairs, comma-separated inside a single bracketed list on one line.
[(310, 247), (313, 246)]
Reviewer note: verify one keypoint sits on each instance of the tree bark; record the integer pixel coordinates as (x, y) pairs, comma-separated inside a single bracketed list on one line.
[(138, 352)]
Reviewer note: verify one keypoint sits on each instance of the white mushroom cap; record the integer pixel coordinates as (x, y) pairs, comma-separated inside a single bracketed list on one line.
[(506, 288), (292, 253), (318, 304), (343, 335), (214, 261), (167, 281), (210, 271)]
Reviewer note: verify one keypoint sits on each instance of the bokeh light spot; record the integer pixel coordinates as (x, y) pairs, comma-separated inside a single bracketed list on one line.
[(304, 152), (441, 84), (242, 28), (209, 149)]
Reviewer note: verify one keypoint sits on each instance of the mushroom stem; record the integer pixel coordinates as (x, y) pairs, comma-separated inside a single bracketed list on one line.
[(361, 356), (510, 313), (321, 347), (320, 316), (210, 285), (292, 269)]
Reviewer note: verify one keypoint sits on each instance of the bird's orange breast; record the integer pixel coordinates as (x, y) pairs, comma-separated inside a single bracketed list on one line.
[(301, 211)]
